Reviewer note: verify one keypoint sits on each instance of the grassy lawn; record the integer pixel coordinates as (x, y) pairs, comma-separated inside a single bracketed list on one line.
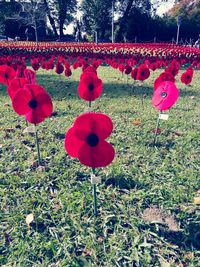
[(145, 201)]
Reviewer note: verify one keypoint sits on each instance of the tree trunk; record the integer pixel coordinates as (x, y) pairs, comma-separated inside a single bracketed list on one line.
[(51, 20), (61, 25), (36, 33), (122, 25)]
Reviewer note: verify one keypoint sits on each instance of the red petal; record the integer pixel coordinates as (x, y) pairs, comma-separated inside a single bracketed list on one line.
[(35, 89), (20, 101), (45, 104), (98, 156), (34, 117), (97, 123), (72, 144), (15, 85)]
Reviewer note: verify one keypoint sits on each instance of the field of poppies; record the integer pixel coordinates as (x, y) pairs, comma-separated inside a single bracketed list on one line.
[(99, 156)]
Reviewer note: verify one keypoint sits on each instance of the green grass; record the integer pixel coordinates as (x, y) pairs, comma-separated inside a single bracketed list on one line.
[(164, 178)]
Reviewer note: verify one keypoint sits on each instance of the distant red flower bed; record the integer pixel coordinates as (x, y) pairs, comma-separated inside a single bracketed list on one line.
[(137, 51)]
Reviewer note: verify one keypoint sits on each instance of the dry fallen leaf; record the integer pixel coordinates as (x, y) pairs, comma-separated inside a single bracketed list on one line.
[(30, 129), (29, 219), (9, 130), (136, 122), (6, 105), (177, 133), (197, 200)]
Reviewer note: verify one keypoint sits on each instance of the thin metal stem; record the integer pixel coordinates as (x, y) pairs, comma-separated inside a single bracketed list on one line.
[(37, 144), (157, 126), (94, 196)]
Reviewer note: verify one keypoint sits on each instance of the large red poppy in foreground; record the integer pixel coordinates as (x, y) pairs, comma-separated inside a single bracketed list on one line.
[(86, 140), (33, 102), (165, 96), (90, 86)]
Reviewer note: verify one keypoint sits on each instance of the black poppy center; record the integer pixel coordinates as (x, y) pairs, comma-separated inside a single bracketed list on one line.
[(92, 140), (6, 75), (32, 103), (91, 87), (164, 94), (142, 73)]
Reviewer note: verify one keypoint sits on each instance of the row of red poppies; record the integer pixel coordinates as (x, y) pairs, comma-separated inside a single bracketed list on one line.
[(115, 50), (137, 69)]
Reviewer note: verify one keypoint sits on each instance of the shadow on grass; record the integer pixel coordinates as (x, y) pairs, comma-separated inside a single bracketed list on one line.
[(188, 238)]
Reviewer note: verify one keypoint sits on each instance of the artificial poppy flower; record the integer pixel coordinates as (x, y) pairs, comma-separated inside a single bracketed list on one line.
[(186, 77), (134, 73), (35, 63), (86, 140), (59, 68), (163, 77), (165, 96), (33, 102), (128, 70), (121, 68), (15, 85), (68, 72), (143, 73), (172, 69), (30, 76), (20, 71), (6, 74), (90, 86)]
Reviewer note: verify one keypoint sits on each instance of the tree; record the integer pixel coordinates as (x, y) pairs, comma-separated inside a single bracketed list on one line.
[(50, 17), (126, 7), (61, 13), (32, 14), (96, 16)]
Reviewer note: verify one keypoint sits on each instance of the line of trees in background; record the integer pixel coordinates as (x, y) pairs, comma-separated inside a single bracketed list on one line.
[(136, 19)]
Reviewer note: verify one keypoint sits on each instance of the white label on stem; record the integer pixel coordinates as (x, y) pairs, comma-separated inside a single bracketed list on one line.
[(164, 117), (95, 179)]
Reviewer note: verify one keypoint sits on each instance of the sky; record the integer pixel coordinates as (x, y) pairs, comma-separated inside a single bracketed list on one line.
[(160, 11)]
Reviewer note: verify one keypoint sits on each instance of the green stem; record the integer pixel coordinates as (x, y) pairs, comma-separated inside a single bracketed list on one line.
[(94, 196), (37, 144), (90, 104)]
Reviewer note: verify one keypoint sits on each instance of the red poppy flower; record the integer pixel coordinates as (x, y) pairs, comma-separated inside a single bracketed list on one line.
[(165, 76), (30, 76), (86, 140), (128, 70), (165, 96), (134, 73), (68, 72), (6, 74), (33, 102), (90, 86), (173, 70), (35, 63), (186, 77), (121, 68), (59, 68), (15, 85), (143, 73)]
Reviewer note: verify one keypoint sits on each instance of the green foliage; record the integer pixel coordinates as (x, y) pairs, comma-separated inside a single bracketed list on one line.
[(64, 231), (62, 12), (96, 15)]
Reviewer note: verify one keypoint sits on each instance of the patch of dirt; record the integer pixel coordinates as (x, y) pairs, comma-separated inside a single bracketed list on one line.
[(156, 215)]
